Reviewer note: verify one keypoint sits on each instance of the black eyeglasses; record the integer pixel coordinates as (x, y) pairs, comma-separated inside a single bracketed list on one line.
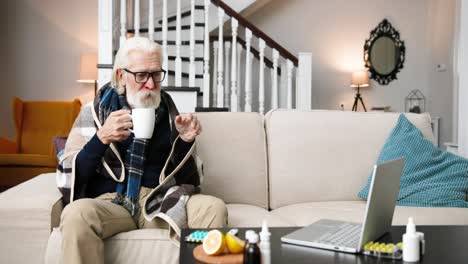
[(142, 77)]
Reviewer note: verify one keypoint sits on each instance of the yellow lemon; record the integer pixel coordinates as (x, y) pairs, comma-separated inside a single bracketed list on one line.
[(234, 244), (214, 242)]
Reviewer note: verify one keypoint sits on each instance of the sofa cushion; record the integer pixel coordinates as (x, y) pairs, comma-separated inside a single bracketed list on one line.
[(303, 214), (353, 211), (326, 155), (136, 246), (233, 150), (244, 215), (431, 177)]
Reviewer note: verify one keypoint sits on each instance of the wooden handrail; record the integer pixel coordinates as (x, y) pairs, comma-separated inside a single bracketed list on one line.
[(256, 31)]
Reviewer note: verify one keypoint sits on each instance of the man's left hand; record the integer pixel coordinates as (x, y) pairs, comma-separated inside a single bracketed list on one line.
[(188, 127)]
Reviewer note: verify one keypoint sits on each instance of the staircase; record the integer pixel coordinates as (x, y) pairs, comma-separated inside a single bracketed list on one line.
[(233, 80)]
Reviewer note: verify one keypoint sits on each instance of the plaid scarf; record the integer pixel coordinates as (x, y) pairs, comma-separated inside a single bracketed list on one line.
[(135, 156)]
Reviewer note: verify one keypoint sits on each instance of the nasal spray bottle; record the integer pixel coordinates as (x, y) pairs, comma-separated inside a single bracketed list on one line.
[(411, 243), (265, 248)]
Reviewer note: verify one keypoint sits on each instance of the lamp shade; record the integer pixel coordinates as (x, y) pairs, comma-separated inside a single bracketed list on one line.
[(360, 79), (88, 68)]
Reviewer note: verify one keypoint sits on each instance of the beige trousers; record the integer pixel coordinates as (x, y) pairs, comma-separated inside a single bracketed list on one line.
[(86, 222)]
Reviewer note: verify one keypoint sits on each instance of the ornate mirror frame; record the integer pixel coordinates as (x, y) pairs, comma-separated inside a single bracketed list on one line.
[(384, 29)]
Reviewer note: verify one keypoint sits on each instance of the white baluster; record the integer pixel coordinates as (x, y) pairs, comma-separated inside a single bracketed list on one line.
[(123, 21), (136, 21), (220, 92), (272, 73), (234, 100), (283, 84), (206, 59), (227, 72), (274, 94), (192, 45), (304, 81), (178, 60), (261, 79), (105, 39), (164, 41), (215, 72), (289, 97), (151, 19), (248, 71), (239, 57)]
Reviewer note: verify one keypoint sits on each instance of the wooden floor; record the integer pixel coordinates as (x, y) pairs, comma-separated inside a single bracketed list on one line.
[(3, 188)]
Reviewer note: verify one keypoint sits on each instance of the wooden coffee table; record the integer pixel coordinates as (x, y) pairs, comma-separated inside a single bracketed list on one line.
[(444, 244)]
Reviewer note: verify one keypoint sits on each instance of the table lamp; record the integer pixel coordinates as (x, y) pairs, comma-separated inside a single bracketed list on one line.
[(359, 79), (88, 69)]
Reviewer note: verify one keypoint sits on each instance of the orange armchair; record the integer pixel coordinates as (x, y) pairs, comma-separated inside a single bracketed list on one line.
[(33, 152)]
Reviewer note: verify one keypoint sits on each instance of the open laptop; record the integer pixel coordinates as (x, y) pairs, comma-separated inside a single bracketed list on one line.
[(351, 237)]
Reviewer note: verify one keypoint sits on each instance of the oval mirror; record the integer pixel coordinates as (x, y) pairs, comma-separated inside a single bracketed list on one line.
[(384, 53)]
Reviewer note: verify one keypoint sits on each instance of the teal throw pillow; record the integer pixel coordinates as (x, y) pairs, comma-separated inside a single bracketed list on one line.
[(431, 177)]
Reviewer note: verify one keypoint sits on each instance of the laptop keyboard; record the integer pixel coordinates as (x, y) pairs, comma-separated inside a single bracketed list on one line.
[(346, 236)]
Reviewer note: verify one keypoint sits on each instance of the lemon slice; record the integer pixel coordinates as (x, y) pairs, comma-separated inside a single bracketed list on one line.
[(214, 243), (234, 244)]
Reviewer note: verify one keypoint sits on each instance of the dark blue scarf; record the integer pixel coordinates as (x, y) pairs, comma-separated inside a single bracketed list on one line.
[(135, 156)]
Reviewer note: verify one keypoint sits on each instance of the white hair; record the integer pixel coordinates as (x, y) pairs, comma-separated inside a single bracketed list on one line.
[(121, 59)]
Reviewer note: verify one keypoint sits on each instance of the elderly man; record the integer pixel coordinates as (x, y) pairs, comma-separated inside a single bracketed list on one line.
[(118, 183)]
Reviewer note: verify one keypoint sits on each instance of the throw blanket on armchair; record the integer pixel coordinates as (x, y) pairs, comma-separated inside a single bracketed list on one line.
[(178, 180)]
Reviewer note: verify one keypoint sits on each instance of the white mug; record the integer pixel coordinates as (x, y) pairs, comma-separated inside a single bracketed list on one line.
[(143, 122)]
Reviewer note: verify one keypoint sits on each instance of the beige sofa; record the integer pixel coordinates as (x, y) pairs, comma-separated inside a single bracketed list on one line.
[(289, 167)]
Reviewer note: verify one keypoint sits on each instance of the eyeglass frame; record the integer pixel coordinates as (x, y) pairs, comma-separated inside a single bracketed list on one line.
[(148, 74)]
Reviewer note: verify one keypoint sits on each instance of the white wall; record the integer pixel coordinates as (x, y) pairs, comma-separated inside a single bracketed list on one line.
[(335, 32), (441, 30), (40, 50), (462, 73)]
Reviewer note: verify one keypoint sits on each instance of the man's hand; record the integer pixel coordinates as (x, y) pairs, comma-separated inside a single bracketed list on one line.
[(116, 127), (188, 127)]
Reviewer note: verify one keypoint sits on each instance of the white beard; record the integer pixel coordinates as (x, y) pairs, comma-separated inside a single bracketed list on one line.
[(144, 99)]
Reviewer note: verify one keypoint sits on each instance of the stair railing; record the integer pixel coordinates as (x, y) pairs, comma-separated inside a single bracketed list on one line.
[(226, 75)]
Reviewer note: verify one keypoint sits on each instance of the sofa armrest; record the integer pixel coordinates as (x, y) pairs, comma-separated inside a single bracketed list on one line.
[(7, 146), (28, 212), (40, 194)]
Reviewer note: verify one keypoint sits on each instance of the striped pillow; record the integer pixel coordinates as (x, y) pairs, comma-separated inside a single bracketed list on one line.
[(431, 177)]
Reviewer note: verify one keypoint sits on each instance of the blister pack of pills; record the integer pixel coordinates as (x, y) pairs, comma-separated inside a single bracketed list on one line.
[(196, 236), (383, 250)]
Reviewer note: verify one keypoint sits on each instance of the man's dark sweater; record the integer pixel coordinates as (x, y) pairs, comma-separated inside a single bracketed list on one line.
[(89, 159)]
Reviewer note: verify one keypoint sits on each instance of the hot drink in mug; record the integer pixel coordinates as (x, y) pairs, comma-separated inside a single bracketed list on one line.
[(143, 122)]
